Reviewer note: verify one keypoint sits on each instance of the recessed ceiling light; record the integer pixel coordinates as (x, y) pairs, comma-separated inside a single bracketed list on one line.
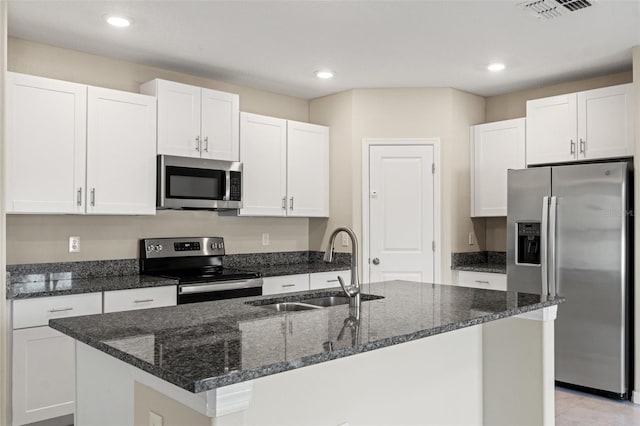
[(324, 74), (496, 67), (118, 21)]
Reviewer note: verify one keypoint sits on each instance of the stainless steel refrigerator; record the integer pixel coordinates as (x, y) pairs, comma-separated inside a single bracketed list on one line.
[(569, 232)]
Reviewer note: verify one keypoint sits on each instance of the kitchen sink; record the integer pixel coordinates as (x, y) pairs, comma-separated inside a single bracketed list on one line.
[(290, 306), (327, 301)]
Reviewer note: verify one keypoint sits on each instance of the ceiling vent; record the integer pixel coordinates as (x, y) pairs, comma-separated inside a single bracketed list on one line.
[(549, 9)]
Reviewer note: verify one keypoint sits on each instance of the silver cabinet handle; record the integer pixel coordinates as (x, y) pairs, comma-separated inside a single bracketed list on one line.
[(583, 146), (93, 197), (284, 203), (288, 285), (206, 144), (572, 150), (375, 261), (79, 200), (291, 203), (198, 143), (332, 281), (143, 300), (482, 282), (53, 311)]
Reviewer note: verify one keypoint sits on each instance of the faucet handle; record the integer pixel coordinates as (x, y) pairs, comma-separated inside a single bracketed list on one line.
[(351, 290)]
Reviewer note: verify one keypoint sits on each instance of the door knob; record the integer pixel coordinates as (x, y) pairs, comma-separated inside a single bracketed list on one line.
[(375, 261)]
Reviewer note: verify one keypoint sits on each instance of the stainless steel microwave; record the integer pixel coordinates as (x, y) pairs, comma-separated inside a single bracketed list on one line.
[(198, 183)]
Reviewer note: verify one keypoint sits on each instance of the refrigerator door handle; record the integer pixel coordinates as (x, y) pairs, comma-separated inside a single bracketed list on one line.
[(544, 247), (553, 214)]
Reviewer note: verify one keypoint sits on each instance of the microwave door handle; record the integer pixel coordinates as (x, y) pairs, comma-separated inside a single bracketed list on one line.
[(553, 214), (544, 246), (227, 184)]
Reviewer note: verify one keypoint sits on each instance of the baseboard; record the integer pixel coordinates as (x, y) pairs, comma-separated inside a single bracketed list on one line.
[(635, 397)]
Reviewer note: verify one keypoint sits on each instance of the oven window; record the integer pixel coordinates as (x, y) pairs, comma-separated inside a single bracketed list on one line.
[(189, 183)]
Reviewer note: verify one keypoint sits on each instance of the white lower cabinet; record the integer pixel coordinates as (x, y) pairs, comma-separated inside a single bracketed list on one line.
[(486, 280), (321, 280), (140, 298), (43, 360), (285, 284)]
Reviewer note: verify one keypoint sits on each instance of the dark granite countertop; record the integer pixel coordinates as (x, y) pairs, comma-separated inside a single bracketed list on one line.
[(207, 345), (62, 283), (300, 268), (494, 268), (484, 261)]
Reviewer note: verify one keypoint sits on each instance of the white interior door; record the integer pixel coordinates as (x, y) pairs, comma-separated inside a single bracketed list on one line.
[(401, 213)]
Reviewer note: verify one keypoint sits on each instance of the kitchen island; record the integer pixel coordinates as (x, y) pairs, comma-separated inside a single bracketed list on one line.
[(417, 354)]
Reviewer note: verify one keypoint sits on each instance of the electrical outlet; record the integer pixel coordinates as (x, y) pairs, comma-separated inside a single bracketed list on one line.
[(74, 244), (345, 240), (472, 238), (155, 419), (265, 239)]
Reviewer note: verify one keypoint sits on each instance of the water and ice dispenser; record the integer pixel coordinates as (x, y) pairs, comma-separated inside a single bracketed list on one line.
[(528, 243)]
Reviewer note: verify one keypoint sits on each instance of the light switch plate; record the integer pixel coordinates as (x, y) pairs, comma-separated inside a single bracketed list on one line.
[(155, 419), (345, 240), (265, 239)]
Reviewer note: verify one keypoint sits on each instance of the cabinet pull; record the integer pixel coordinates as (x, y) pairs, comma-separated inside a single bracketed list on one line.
[(143, 300), (53, 311), (198, 143), (206, 144), (482, 282), (288, 285), (573, 147), (284, 203), (291, 203), (332, 281), (582, 146), (93, 197), (79, 200)]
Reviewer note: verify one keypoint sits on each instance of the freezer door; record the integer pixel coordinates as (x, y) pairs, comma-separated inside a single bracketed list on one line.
[(591, 272), (526, 192)]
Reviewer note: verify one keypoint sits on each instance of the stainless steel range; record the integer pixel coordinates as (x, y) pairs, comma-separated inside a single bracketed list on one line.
[(196, 262)]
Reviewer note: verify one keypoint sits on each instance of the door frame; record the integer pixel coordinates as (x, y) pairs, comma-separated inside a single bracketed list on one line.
[(367, 143)]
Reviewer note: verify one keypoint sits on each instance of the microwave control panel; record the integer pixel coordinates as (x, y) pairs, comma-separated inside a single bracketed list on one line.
[(235, 186)]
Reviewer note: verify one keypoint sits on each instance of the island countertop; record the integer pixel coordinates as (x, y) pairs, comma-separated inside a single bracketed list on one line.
[(203, 346)]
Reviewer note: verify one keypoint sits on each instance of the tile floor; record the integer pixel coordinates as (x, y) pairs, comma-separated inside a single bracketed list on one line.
[(582, 409)]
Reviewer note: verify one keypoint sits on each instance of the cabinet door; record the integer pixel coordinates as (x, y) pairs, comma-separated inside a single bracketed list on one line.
[(263, 153), (307, 169), (220, 125), (140, 298), (45, 145), (484, 280), (285, 284), (552, 129), (321, 280), (121, 160), (605, 122), (43, 376), (495, 148), (178, 119)]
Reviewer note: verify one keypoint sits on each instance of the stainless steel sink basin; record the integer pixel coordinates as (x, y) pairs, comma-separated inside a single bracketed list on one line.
[(328, 301), (290, 306)]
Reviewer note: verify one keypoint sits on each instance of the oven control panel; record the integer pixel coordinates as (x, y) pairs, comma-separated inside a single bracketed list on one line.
[(179, 247)]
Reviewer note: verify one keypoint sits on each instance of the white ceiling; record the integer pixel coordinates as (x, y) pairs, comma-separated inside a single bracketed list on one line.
[(277, 46)]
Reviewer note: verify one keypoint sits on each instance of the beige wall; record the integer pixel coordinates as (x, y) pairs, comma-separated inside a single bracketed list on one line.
[(405, 113), (44, 238), (514, 105)]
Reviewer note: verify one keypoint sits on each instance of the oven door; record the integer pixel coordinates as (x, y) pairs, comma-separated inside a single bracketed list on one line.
[(195, 183), (204, 292)]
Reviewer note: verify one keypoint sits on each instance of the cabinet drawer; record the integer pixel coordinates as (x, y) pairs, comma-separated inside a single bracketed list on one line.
[(328, 279), (285, 284), (140, 298), (38, 311), (482, 280)]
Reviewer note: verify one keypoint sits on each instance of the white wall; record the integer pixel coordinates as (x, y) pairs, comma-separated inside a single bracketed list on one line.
[(44, 238)]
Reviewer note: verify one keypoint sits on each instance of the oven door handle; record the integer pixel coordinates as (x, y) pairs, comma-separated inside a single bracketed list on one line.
[(219, 286)]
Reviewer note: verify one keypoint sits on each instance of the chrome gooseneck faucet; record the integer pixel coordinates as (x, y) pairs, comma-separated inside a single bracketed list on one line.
[(353, 290)]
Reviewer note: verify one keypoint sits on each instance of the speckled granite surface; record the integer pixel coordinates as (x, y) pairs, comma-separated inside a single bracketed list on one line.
[(86, 269), (485, 261), (207, 345), (287, 263)]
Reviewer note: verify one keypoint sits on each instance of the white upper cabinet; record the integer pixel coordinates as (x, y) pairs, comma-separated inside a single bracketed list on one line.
[(263, 152), (593, 124), (307, 169), (495, 148), (285, 167), (121, 160), (78, 149), (195, 122), (45, 145)]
